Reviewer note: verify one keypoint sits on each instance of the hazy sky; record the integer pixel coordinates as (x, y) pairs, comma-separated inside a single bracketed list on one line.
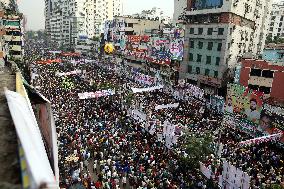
[(34, 9)]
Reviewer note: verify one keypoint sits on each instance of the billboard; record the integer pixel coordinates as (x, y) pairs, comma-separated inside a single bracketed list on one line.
[(244, 102), (176, 49), (206, 4)]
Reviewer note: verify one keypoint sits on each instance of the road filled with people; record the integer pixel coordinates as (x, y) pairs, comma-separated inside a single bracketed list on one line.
[(120, 128)]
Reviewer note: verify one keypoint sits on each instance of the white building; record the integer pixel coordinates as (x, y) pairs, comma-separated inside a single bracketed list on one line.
[(154, 14), (276, 23), (179, 8), (218, 35), (69, 21)]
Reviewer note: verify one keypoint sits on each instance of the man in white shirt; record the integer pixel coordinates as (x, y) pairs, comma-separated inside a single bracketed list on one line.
[(252, 113)]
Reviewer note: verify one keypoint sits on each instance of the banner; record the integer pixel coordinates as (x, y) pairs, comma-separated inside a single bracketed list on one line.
[(175, 105), (137, 115), (75, 72), (261, 139), (97, 94), (176, 49), (206, 172), (140, 90), (144, 79), (244, 102)]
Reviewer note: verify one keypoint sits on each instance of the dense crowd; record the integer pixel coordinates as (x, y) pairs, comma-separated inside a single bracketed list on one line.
[(102, 146)]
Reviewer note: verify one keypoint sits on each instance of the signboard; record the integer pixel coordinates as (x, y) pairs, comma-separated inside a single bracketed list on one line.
[(244, 102)]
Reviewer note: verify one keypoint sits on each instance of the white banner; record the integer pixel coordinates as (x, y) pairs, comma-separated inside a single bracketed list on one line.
[(175, 105), (261, 139), (75, 72), (137, 115), (97, 94), (140, 90)]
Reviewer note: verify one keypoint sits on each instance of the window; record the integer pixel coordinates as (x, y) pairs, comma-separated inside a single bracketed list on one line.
[(253, 87), (190, 57), (191, 30), (208, 59), (220, 31), (273, 17), (219, 47), (200, 31), (199, 57), (265, 90), (209, 31), (267, 73), (281, 19), (200, 45), (217, 61), (280, 24), (189, 69), (210, 45), (130, 25), (255, 72), (192, 44), (216, 74), (207, 72), (197, 70)]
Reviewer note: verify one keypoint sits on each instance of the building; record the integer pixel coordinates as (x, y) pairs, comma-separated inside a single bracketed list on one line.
[(179, 8), (218, 34), (69, 20), (138, 26), (155, 13), (263, 76), (274, 53), (276, 25), (13, 26)]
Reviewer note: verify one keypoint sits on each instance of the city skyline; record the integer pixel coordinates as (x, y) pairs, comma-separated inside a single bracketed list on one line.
[(34, 10)]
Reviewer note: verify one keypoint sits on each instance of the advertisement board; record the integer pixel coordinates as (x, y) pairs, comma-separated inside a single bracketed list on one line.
[(244, 102)]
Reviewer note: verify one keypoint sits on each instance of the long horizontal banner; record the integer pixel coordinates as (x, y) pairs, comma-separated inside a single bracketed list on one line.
[(97, 94), (159, 107), (75, 72), (140, 90), (261, 139)]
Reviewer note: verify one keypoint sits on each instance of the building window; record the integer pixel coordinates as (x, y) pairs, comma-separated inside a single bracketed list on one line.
[(216, 74), (191, 30), (190, 57), (200, 31), (199, 57), (219, 48), (220, 31), (192, 44), (189, 69), (209, 31), (208, 59), (197, 70), (281, 19), (265, 90), (253, 87), (207, 72), (200, 45), (255, 72), (210, 46), (217, 61), (267, 74)]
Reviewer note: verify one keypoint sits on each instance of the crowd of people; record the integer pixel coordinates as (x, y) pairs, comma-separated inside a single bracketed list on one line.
[(101, 145)]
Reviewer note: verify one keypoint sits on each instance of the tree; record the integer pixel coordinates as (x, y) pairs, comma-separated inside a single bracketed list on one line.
[(197, 150)]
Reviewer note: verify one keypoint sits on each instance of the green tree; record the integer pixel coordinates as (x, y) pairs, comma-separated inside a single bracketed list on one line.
[(197, 149)]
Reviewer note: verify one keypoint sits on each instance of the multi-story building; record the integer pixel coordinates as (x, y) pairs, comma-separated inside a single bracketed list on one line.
[(263, 76), (276, 23), (179, 8), (217, 35), (137, 26), (69, 20), (13, 25)]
